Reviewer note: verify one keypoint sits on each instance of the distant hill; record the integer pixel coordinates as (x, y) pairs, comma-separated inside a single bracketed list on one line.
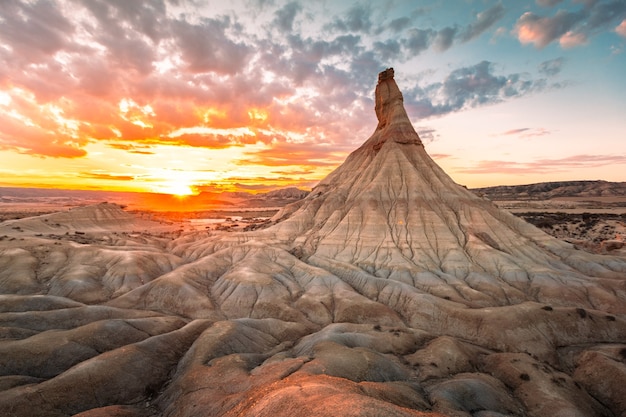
[(153, 201), (284, 196), (290, 193), (548, 190)]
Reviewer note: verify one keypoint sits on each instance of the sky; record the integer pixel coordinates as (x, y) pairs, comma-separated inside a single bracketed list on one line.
[(185, 96)]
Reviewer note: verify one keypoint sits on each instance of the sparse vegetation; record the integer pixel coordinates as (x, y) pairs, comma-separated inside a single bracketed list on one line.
[(588, 230)]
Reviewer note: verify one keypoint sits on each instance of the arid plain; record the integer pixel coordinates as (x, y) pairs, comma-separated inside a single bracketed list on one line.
[(388, 290)]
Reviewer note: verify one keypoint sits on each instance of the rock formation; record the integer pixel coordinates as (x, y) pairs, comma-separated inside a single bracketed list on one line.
[(389, 290)]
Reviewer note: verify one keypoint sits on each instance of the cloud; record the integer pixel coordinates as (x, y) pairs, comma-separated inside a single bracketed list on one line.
[(572, 39), (469, 87), (569, 28), (35, 30), (388, 50), (551, 67), (205, 46), (544, 166), (294, 172), (34, 140), (440, 156), (302, 155), (540, 31), (122, 17), (208, 140), (132, 148), (31, 128), (418, 40), (257, 183), (129, 52), (357, 19), (399, 24), (284, 17), (484, 20), (525, 132), (621, 28), (215, 73), (104, 176), (548, 3), (515, 131), (444, 38), (426, 134), (129, 31)]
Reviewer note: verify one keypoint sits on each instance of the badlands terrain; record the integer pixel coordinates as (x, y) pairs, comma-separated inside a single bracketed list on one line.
[(389, 290)]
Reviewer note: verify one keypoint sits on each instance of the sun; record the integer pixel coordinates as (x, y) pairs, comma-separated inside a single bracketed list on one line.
[(178, 189)]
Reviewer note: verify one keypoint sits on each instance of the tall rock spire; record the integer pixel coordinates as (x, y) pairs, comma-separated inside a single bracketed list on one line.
[(393, 122), (391, 212)]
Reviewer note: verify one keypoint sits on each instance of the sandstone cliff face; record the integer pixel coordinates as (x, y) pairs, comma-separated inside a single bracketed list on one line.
[(389, 290)]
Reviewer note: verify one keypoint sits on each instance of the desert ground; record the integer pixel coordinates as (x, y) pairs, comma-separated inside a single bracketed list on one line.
[(389, 290)]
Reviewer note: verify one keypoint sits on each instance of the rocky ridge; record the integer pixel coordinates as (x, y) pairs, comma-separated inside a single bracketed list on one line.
[(548, 190), (388, 290)]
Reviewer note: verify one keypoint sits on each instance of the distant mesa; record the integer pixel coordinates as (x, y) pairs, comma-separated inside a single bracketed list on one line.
[(388, 290), (555, 189)]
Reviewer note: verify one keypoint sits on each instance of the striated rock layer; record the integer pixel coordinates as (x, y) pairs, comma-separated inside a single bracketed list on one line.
[(389, 290)]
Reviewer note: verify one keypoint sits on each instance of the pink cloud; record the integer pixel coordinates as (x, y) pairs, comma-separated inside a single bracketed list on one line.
[(515, 131), (525, 132), (530, 29), (572, 39), (621, 29), (540, 31), (542, 166), (570, 28)]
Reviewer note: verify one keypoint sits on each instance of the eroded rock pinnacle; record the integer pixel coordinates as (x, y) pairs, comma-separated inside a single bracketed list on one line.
[(392, 117)]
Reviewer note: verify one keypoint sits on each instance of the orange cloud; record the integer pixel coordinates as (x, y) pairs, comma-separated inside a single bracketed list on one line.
[(295, 154), (132, 148), (34, 131), (100, 176)]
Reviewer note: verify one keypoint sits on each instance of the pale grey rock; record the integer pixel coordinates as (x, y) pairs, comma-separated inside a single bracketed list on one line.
[(602, 372), (468, 393)]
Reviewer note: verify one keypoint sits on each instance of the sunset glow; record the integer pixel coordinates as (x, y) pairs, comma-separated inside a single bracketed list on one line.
[(178, 189), (190, 97)]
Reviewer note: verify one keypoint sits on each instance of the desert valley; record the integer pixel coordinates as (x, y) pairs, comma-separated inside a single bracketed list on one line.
[(388, 290)]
